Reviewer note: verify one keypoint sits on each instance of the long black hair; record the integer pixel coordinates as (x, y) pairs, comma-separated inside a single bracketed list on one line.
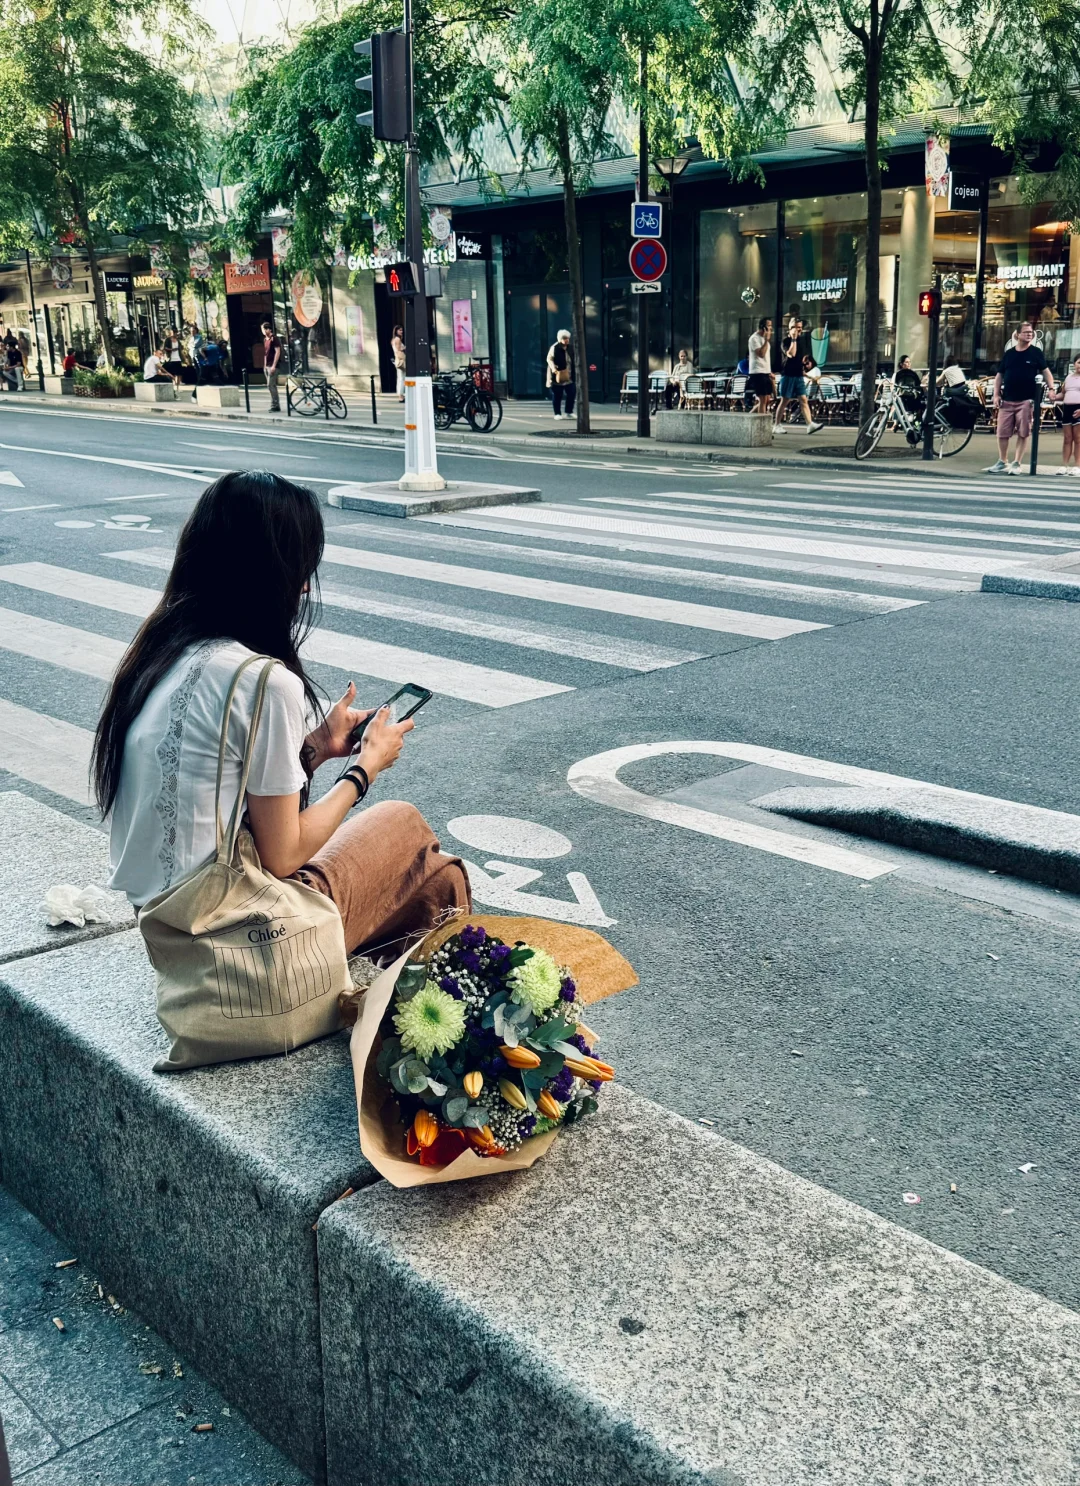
[(246, 568)]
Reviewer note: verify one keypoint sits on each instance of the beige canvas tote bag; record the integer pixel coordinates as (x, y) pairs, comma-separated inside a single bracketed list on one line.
[(248, 964)]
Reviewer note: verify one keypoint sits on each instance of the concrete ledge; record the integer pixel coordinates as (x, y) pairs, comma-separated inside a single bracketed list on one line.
[(192, 1194), (1035, 584), (218, 396), (60, 386), (42, 848), (155, 392), (735, 430), (651, 1304), (383, 498), (1025, 840)]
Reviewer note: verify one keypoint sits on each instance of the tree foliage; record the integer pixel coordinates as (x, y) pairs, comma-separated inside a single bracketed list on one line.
[(97, 135), (295, 143)]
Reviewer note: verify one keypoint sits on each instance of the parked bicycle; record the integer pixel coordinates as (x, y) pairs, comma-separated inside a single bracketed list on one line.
[(309, 396), (459, 396), (953, 422)]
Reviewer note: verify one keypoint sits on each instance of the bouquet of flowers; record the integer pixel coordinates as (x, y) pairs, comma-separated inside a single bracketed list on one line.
[(472, 1053)]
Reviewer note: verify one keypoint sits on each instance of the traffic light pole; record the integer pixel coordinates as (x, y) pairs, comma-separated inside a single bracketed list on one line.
[(931, 377), (421, 462), (643, 429)]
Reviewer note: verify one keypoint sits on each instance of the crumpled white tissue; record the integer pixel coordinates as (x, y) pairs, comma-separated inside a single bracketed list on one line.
[(68, 904)]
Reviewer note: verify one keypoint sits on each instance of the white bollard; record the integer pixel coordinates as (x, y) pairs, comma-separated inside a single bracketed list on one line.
[(421, 464)]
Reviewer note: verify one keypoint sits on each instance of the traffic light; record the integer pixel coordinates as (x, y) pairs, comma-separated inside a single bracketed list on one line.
[(388, 53), (930, 302), (402, 280)]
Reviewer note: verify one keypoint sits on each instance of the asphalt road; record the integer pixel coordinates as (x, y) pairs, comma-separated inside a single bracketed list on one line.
[(882, 1037)]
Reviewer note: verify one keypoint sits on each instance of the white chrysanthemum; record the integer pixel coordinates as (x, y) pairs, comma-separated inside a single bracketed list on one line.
[(536, 983)]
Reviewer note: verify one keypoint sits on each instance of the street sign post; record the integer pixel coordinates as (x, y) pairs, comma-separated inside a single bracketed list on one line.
[(646, 218), (648, 260), (930, 305)]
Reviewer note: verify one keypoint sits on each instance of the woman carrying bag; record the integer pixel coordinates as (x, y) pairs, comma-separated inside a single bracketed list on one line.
[(249, 897)]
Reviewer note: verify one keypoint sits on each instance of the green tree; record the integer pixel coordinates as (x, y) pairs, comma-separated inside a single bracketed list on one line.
[(97, 135), (294, 142)]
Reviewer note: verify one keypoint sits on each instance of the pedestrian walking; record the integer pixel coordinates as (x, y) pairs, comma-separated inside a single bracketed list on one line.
[(792, 382), (14, 364), (397, 350), (1068, 396), (676, 382), (173, 358), (560, 375), (1015, 388), (240, 594), (271, 363), (759, 380)]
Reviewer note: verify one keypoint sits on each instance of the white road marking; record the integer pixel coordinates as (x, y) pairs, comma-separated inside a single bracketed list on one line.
[(462, 520), (791, 520), (930, 492), (236, 449), (596, 779), (799, 507), (60, 644), (131, 464), (967, 562), (110, 500), (9, 477), (607, 600), (608, 650), (503, 891), (509, 836), (46, 751), (351, 653), (53, 505)]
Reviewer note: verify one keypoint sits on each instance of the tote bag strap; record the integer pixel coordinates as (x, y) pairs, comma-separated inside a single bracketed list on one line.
[(229, 834)]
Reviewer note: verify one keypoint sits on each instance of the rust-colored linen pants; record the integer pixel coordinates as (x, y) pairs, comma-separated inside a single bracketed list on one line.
[(390, 882)]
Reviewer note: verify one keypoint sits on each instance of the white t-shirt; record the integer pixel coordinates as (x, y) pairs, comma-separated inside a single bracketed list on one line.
[(151, 367), (162, 825), (954, 376), (759, 355)]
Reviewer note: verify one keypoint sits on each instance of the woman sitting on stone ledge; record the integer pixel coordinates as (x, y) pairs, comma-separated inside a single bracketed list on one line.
[(244, 584)]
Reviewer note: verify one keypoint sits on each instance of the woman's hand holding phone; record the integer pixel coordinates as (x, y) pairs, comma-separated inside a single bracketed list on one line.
[(337, 736), (383, 741)]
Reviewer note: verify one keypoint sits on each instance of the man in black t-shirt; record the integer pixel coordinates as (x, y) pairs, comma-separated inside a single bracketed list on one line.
[(1014, 392)]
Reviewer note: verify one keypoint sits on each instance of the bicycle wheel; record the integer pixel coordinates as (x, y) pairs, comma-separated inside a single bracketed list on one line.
[(306, 400), (445, 410), (949, 440), (496, 412), (336, 403), (869, 435), (478, 411)]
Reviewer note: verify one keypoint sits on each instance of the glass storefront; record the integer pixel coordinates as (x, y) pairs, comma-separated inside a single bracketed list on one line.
[(737, 278), (1028, 275)]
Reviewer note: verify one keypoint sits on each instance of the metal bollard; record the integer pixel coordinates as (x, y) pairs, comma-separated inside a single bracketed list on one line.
[(1036, 420), (325, 403), (374, 404), (247, 391)]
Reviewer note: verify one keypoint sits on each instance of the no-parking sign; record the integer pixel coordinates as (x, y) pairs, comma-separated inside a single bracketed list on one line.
[(648, 260)]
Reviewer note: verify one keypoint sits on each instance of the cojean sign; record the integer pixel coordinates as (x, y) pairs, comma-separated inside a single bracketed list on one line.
[(966, 192)]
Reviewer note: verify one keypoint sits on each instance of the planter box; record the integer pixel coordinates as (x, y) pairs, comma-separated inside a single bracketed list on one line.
[(60, 386), (109, 392)]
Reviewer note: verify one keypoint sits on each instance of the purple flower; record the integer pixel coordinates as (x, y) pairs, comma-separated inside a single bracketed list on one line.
[(596, 1085), (450, 986), (580, 1043), (469, 960), (568, 990), (498, 954), (527, 1125), (562, 1085), (473, 936), (498, 1063)]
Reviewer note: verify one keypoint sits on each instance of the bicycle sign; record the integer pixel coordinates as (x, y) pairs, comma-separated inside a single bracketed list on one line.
[(648, 259), (645, 218)]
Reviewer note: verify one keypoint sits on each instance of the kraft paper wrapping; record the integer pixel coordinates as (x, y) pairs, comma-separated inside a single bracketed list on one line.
[(599, 971)]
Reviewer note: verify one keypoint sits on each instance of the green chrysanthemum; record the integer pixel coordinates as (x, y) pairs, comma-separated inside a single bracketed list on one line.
[(536, 983), (430, 1022)]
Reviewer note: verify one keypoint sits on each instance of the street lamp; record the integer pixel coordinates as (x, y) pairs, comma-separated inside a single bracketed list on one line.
[(671, 168)]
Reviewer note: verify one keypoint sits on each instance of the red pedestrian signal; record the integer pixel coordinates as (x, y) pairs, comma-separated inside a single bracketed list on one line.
[(402, 280), (930, 302)]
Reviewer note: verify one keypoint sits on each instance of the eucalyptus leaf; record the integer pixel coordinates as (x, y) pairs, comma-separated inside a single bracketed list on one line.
[(534, 1078), (397, 1077), (474, 1118), (455, 1108), (568, 1050), (411, 978), (436, 1087), (530, 1098), (416, 1076)]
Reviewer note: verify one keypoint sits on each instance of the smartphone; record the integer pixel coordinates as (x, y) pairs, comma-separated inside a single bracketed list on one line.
[(402, 704)]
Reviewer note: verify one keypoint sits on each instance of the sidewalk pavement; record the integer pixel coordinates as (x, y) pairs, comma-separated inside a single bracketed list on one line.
[(531, 425), (100, 1398)]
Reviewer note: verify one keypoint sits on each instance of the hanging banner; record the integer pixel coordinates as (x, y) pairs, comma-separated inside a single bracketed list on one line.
[(60, 269), (280, 238), (252, 277), (307, 301), (463, 342), (440, 224), (354, 329), (937, 165), (160, 262), (199, 261)]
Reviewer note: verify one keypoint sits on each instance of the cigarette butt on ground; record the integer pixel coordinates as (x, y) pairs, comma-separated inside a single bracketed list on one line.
[(201, 1428), (65, 1263), (58, 1324)]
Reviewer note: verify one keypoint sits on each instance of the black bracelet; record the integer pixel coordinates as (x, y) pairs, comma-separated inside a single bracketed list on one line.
[(361, 785)]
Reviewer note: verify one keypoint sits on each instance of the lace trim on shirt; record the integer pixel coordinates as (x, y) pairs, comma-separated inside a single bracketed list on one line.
[(168, 756)]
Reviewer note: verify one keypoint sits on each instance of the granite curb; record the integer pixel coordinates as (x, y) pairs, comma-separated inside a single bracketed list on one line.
[(1000, 835), (1038, 583)]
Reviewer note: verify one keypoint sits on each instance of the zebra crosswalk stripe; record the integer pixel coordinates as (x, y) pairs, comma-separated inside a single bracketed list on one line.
[(46, 751), (472, 683)]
